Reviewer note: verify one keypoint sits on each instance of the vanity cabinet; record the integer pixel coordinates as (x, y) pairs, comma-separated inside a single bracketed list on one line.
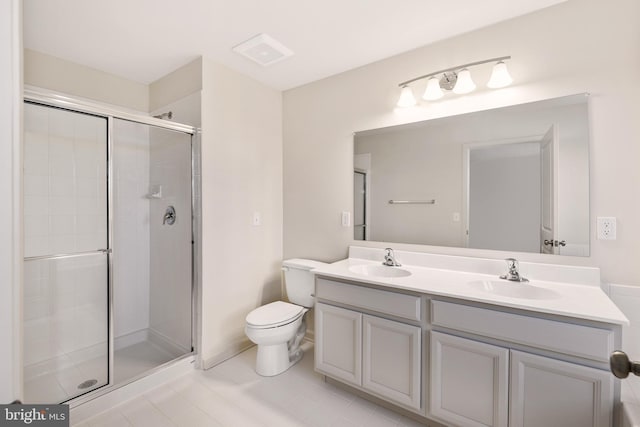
[(379, 355), (475, 383), (465, 363)]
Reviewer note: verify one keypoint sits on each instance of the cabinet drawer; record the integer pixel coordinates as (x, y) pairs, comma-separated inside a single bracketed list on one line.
[(577, 340), (395, 304)]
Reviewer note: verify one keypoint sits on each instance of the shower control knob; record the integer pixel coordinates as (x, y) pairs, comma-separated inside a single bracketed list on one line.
[(621, 366), (169, 216)]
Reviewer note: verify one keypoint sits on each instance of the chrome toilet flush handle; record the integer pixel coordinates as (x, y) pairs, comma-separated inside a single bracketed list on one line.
[(169, 216)]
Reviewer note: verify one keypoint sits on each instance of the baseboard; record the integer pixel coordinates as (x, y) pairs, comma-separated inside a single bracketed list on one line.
[(237, 348), (233, 350)]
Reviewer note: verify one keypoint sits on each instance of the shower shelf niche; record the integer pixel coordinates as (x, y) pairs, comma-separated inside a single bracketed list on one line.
[(155, 192)]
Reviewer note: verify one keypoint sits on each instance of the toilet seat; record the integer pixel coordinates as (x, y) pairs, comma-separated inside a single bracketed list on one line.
[(274, 314)]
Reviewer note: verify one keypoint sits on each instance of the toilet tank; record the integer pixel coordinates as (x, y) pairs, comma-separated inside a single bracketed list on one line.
[(298, 280)]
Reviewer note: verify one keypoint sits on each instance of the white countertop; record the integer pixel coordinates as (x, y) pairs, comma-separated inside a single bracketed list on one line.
[(572, 300)]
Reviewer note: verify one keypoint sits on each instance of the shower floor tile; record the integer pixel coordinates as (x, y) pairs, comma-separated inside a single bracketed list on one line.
[(135, 359), (57, 381)]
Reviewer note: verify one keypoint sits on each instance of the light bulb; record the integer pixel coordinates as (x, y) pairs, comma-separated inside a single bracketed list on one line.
[(499, 76), (406, 98), (433, 90), (464, 84)]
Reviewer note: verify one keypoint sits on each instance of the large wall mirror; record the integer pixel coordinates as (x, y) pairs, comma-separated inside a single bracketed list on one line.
[(511, 179)]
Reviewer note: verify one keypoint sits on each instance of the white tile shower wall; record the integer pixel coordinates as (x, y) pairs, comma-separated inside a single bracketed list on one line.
[(170, 263), (65, 310), (65, 198), (627, 298), (130, 227)]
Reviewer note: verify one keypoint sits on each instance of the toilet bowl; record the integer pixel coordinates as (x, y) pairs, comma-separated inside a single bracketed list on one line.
[(274, 327), (279, 327)]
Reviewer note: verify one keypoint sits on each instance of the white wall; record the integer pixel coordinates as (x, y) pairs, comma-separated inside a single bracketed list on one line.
[(562, 50), (10, 192), (241, 174)]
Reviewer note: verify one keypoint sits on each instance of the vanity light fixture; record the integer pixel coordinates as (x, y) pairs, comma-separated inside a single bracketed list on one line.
[(433, 91), (500, 76), (465, 83), (457, 79), (406, 98)]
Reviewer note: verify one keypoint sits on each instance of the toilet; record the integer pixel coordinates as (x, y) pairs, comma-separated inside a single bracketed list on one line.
[(278, 327)]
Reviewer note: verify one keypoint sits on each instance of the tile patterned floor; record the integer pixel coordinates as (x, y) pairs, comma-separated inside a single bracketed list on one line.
[(232, 394)]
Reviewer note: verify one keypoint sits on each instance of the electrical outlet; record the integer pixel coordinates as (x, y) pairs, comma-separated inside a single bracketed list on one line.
[(606, 228)]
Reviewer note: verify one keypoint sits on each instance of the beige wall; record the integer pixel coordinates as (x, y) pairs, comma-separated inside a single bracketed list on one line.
[(49, 72), (578, 46), (176, 85), (241, 174)]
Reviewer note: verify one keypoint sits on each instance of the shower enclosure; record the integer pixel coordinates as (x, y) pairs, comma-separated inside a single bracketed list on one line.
[(109, 248)]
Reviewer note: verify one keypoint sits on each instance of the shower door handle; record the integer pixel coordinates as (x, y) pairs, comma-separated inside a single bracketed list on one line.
[(169, 216)]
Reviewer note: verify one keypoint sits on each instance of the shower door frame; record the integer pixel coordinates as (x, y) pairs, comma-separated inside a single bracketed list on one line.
[(56, 100)]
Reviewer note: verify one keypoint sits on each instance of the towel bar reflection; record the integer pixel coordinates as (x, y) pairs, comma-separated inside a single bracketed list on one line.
[(412, 202)]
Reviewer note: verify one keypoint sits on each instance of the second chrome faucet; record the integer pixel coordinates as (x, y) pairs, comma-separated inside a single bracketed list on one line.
[(513, 273), (390, 258)]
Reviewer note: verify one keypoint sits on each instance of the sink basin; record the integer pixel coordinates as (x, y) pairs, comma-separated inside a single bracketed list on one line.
[(379, 270), (522, 290)]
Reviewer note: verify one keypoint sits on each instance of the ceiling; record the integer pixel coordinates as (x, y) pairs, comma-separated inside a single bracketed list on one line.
[(143, 40)]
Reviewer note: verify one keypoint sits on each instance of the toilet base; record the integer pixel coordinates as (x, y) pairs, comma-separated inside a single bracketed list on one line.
[(274, 359)]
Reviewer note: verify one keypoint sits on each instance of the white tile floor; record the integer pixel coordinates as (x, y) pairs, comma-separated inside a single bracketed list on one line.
[(232, 394)]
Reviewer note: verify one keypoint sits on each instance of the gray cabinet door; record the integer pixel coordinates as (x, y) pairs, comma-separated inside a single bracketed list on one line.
[(392, 360), (549, 392), (338, 349), (469, 382)]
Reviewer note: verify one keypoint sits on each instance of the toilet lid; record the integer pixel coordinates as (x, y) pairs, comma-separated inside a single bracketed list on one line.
[(274, 314)]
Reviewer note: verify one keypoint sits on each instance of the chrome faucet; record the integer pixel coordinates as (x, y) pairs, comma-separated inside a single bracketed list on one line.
[(390, 259), (513, 274)]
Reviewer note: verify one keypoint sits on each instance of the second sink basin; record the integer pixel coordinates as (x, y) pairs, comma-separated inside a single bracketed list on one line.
[(522, 290), (379, 270)]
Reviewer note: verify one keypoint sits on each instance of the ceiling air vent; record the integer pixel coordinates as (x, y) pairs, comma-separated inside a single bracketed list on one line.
[(263, 49)]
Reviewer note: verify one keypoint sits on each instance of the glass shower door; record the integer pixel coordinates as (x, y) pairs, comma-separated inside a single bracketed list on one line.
[(152, 247), (66, 276)]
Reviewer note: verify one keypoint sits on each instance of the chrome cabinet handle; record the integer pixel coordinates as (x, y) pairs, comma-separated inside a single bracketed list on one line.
[(621, 366), (555, 243)]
